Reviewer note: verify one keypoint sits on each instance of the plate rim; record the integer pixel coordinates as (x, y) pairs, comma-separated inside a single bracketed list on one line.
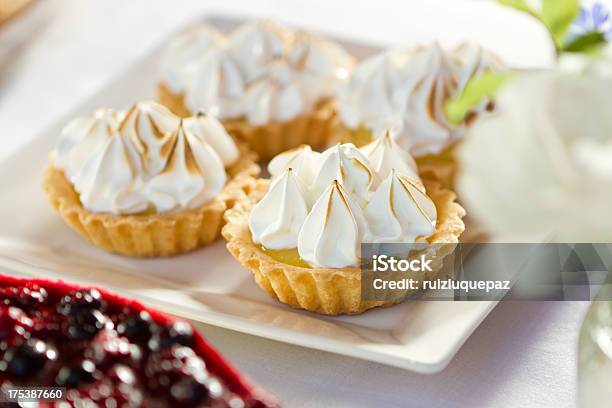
[(374, 352)]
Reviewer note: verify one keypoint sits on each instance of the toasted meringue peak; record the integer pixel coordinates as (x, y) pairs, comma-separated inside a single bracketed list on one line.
[(405, 91), (301, 159), (261, 72), (374, 96), (148, 126), (335, 189), (81, 137), (349, 196), (345, 163), (193, 174), (216, 85), (254, 45), (211, 131), (124, 164), (276, 220), (185, 49), (426, 129), (276, 96), (312, 53), (109, 180), (384, 154), (332, 232), (400, 211), (323, 65)]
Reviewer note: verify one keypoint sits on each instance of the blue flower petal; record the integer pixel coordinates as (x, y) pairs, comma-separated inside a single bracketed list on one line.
[(600, 14)]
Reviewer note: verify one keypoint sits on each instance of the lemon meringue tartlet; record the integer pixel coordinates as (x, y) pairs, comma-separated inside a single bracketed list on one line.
[(271, 87), (301, 232), (146, 183), (405, 91)]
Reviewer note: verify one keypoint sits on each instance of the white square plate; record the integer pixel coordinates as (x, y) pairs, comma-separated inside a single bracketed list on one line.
[(208, 285)]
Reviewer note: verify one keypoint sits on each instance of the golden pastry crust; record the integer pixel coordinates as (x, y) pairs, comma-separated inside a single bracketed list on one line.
[(442, 167), (268, 140), (327, 290), (163, 234)]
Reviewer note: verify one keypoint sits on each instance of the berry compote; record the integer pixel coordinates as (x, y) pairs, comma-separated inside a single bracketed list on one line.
[(108, 351)]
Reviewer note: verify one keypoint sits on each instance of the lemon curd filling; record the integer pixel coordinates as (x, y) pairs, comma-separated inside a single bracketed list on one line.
[(150, 210), (359, 137), (286, 256)]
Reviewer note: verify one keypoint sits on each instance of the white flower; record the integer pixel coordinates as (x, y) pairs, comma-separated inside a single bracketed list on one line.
[(542, 165)]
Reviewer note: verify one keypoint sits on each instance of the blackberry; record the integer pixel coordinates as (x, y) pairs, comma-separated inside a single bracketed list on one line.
[(138, 328), (25, 297), (79, 301), (177, 333), (27, 359), (86, 324), (107, 348), (76, 375), (14, 324), (167, 366), (188, 392)]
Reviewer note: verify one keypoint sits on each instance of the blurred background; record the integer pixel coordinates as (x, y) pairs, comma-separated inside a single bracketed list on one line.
[(57, 52)]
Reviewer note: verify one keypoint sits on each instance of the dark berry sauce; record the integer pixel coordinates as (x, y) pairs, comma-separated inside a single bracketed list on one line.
[(110, 352)]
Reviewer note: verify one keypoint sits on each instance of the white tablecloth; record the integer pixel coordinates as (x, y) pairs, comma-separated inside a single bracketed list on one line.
[(524, 354)]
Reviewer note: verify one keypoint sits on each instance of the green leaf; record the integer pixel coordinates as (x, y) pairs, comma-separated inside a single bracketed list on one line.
[(557, 16), (477, 89), (586, 42)]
